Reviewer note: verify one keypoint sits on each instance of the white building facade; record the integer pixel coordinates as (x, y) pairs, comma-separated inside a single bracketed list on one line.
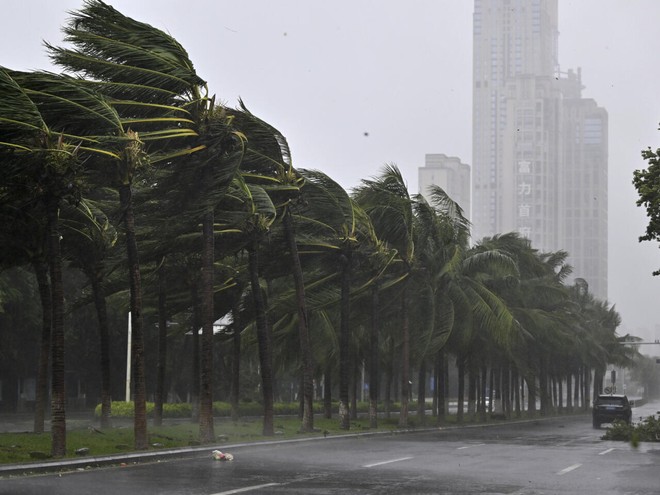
[(449, 173), (539, 149)]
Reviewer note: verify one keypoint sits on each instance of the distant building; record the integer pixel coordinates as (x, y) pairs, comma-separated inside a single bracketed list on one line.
[(452, 175), (583, 195), (539, 149)]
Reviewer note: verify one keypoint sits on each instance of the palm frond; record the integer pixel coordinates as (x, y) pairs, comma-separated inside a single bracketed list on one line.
[(109, 46)]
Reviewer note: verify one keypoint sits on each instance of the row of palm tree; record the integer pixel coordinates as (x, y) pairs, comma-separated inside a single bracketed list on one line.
[(126, 168)]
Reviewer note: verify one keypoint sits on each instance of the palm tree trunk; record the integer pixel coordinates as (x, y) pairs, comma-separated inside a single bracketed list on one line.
[(516, 392), (388, 391), (137, 347), (436, 392), (531, 395), (344, 343), (482, 392), (599, 377), (327, 391), (441, 384), (301, 400), (206, 430), (421, 393), (196, 325), (355, 380), (374, 356), (405, 361), (236, 364), (587, 384), (104, 338), (506, 390), (41, 272), (303, 327), (543, 387), (461, 388), (58, 396), (263, 340), (472, 392), (162, 346)]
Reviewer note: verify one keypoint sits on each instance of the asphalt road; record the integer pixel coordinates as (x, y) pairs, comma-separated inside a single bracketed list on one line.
[(556, 456)]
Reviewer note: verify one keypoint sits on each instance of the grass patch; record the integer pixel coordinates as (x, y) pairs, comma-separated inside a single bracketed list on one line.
[(122, 409), (180, 432), (29, 447)]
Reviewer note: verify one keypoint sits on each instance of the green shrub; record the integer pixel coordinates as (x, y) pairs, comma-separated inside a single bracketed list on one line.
[(180, 410), (222, 409), (646, 431), (649, 429), (620, 430), (121, 409)]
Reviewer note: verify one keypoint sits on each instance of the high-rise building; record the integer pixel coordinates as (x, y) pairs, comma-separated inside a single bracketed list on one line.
[(539, 148), (583, 195), (451, 174)]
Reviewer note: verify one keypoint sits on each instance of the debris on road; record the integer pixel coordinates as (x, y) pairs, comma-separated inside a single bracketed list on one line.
[(222, 456)]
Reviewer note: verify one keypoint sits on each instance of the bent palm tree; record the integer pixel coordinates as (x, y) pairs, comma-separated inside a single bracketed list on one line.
[(387, 202), (267, 162), (335, 229), (149, 78), (35, 110)]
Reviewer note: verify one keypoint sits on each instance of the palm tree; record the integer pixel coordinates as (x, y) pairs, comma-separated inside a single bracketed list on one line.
[(36, 109), (447, 280), (23, 243), (387, 202), (261, 216), (540, 304), (336, 238), (151, 80), (159, 397), (267, 162), (88, 240)]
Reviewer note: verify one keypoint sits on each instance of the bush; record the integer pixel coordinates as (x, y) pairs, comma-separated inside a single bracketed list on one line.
[(646, 431), (121, 409), (649, 429), (620, 430)]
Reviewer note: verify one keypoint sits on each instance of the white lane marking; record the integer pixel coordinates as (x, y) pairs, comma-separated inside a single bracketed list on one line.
[(569, 469), (386, 462), (470, 446), (246, 489), (605, 452)]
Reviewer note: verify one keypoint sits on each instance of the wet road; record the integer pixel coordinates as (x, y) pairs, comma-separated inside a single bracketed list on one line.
[(557, 456)]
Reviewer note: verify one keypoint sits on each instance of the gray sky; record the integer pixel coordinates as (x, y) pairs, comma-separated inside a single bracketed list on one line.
[(325, 73)]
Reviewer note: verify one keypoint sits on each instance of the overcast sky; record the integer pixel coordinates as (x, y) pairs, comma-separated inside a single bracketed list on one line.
[(356, 84)]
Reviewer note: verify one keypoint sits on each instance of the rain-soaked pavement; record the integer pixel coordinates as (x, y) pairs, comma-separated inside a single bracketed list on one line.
[(552, 456)]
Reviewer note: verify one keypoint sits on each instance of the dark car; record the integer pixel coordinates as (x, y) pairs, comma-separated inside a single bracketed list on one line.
[(609, 408)]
